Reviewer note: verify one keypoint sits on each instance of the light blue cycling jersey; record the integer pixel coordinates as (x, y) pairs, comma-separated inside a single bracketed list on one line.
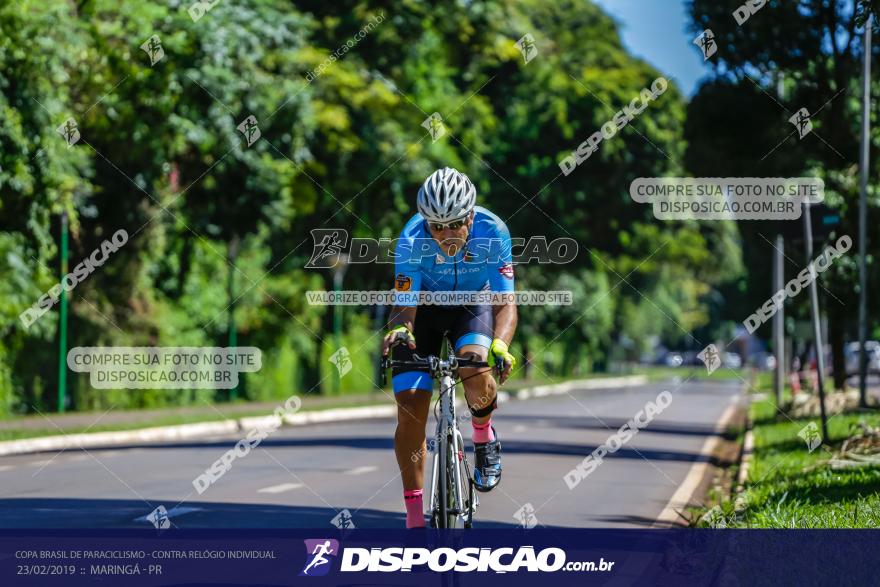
[(484, 264)]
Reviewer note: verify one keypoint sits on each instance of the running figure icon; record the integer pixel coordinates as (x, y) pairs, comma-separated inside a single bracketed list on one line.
[(319, 555)]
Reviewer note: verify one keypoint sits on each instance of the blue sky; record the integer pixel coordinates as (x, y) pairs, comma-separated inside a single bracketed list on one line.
[(655, 31)]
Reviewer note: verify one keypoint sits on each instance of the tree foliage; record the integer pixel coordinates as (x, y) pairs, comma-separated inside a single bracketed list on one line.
[(339, 92)]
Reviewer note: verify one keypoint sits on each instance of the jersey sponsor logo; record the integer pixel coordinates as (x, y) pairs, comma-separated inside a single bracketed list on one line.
[(506, 270), (402, 282)]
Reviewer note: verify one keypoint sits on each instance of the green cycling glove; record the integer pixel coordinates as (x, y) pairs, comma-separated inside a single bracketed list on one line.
[(401, 335), (499, 352)]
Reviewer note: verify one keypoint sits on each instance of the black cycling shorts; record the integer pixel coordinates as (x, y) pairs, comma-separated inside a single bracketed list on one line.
[(462, 325)]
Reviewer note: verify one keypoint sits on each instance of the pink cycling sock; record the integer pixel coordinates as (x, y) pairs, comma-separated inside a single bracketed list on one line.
[(415, 517), (483, 432)]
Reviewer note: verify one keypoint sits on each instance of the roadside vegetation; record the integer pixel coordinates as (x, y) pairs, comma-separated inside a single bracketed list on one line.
[(795, 481)]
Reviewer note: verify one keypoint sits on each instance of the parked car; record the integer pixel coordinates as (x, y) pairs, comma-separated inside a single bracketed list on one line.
[(732, 360), (763, 361), (851, 356), (673, 359), (690, 359)]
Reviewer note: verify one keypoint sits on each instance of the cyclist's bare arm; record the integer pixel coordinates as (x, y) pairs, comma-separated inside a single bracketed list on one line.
[(506, 318), (400, 316)]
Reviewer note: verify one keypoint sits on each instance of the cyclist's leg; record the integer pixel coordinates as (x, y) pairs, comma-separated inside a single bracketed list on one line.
[(412, 392), (413, 406), (480, 388), (409, 448), (471, 336)]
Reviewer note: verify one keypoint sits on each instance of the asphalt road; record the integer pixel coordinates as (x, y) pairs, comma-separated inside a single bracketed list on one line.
[(306, 476)]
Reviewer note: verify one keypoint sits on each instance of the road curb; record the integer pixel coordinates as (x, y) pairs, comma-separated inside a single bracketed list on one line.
[(595, 383), (745, 461), (242, 425)]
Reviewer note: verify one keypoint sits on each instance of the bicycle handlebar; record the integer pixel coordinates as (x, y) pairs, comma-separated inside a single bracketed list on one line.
[(428, 363)]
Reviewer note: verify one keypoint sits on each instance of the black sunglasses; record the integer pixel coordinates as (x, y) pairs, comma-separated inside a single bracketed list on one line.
[(453, 225)]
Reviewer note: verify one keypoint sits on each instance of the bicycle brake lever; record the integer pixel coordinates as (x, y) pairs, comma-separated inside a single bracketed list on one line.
[(499, 368)]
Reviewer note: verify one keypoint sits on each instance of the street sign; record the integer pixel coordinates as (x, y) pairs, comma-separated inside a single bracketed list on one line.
[(823, 219)]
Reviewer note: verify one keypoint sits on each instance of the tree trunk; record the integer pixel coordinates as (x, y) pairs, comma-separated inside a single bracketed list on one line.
[(836, 336), (527, 359)]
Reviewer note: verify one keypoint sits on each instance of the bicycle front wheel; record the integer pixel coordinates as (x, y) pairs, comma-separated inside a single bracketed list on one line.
[(447, 512)]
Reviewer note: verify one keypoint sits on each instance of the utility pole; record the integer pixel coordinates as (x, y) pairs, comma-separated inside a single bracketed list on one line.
[(62, 322), (378, 324), (232, 331), (339, 270), (778, 279), (779, 320), (863, 221), (817, 330)]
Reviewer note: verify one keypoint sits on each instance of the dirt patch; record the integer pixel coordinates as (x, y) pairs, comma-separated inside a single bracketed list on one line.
[(807, 406)]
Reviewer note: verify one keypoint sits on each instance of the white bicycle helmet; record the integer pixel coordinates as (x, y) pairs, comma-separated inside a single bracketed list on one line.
[(446, 195)]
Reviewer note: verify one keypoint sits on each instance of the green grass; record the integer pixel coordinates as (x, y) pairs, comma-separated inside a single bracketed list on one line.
[(790, 487), (763, 382), (660, 373)]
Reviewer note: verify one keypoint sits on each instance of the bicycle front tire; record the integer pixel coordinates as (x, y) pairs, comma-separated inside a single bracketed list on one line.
[(446, 512)]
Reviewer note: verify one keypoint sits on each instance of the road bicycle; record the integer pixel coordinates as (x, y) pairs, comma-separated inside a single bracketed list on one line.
[(452, 504)]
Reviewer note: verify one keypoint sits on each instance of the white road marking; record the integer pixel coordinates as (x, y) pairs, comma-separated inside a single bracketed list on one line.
[(6, 467), (280, 488), (362, 470)]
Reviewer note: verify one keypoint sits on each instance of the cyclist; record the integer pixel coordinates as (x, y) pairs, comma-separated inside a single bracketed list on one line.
[(450, 245)]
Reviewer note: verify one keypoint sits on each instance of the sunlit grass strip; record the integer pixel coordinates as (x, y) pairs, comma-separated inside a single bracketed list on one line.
[(790, 487)]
